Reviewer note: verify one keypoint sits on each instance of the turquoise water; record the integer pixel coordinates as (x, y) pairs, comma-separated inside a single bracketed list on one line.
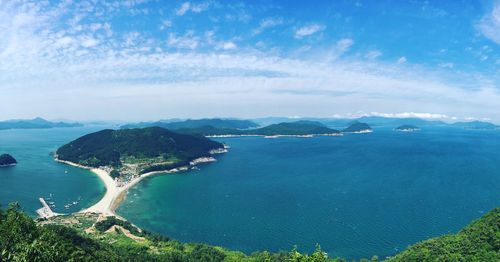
[(38, 175), (356, 195)]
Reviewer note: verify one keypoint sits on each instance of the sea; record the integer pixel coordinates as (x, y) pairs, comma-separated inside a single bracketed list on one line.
[(357, 195)]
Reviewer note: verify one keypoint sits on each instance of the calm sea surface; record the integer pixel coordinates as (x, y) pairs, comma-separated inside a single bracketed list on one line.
[(38, 175), (356, 195)]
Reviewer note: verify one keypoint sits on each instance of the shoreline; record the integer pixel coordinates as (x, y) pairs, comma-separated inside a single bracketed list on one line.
[(115, 194)]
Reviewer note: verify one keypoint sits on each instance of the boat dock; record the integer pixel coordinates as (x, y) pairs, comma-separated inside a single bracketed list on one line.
[(45, 211)]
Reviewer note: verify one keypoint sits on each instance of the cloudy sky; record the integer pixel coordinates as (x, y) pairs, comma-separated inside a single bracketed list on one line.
[(145, 60)]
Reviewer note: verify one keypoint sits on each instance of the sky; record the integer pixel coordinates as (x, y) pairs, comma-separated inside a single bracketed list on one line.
[(156, 59)]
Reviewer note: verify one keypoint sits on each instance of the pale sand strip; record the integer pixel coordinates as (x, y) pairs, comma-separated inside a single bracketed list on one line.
[(115, 194)]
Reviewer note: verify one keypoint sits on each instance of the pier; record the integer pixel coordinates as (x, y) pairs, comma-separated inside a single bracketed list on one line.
[(45, 211)]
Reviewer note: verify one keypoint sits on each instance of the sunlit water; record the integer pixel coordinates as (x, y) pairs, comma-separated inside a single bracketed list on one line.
[(38, 175), (356, 195)]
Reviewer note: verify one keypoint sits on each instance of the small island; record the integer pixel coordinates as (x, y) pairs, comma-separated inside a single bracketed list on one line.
[(121, 158), (358, 128), (407, 128), (7, 160)]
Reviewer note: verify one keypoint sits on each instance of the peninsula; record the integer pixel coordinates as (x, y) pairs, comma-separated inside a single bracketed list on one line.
[(7, 160), (121, 158)]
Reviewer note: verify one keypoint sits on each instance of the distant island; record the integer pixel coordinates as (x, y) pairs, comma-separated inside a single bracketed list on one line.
[(7, 160), (121, 158), (358, 128), (197, 123), (34, 123), (298, 128), (478, 125), (407, 128)]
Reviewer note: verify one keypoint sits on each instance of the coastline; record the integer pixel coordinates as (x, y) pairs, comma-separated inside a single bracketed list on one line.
[(115, 194)]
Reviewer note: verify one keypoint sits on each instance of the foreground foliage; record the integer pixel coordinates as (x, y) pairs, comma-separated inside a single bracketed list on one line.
[(21, 239), (479, 241)]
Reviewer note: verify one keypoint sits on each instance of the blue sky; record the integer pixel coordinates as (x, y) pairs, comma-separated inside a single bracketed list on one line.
[(143, 60)]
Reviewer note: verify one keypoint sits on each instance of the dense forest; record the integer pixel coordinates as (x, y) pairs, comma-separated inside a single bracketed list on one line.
[(22, 239), (108, 147)]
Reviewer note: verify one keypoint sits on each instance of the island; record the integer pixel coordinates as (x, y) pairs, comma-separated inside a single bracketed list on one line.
[(121, 158), (197, 123), (7, 160), (407, 128), (34, 124), (476, 125), (358, 128), (301, 128)]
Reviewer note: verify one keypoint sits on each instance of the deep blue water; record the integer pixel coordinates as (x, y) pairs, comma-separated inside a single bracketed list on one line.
[(38, 175), (356, 195)]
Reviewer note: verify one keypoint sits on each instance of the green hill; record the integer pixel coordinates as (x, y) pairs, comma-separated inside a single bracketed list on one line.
[(479, 241), (152, 145), (358, 127), (7, 160)]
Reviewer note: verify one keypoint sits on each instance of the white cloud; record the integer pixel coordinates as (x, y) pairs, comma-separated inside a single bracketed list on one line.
[(308, 30), (165, 24), (195, 8), (226, 45), (52, 67), (489, 25), (187, 41), (340, 47), (402, 60), (446, 65), (267, 23), (89, 41), (373, 54)]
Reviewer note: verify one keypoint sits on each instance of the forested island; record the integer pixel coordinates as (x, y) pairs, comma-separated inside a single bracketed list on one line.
[(34, 124), (139, 150), (358, 128), (81, 237), (296, 128), (7, 160)]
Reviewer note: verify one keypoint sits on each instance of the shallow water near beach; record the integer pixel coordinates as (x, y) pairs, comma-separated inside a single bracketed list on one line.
[(356, 195), (38, 175)]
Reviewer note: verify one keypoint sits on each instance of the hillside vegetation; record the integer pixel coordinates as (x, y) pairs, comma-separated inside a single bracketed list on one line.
[(82, 239), (152, 144)]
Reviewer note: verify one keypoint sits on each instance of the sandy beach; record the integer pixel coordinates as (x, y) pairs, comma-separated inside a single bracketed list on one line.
[(116, 194)]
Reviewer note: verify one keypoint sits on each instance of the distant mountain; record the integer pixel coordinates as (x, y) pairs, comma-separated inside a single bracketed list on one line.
[(34, 123), (301, 127), (148, 146), (358, 127), (385, 121), (293, 128), (7, 160), (407, 128), (197, 123), (476, 125)]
